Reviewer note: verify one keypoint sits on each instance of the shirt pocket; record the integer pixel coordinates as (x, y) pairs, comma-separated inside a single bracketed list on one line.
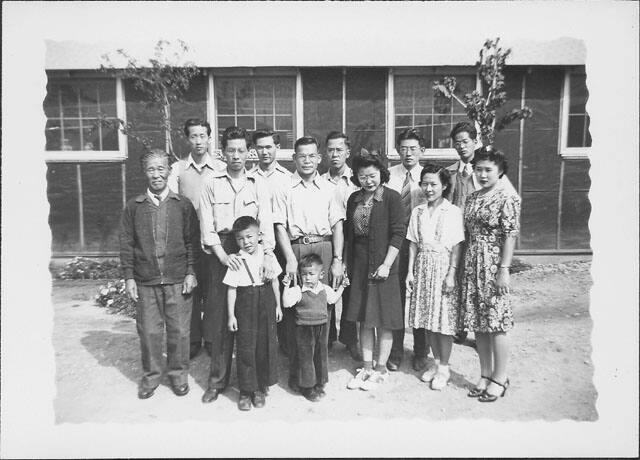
[(223, 211), (250, 207)]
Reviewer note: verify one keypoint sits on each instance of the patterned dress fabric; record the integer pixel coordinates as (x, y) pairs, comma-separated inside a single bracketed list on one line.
[(488, 219), (435, 235)]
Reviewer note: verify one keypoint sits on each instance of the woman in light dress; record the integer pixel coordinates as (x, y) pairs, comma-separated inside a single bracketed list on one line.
[(435, 232)]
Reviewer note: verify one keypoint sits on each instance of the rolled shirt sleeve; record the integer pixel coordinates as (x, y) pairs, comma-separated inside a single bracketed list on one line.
[(337, 210), (208, 234), (332, 296), (454, 231)]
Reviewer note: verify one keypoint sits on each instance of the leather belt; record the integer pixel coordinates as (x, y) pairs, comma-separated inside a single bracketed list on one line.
[(309, 239)]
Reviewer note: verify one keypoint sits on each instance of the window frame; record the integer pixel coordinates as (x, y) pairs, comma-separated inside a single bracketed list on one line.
[(87, 156), (436, 154), (212, 110), (578, 153)]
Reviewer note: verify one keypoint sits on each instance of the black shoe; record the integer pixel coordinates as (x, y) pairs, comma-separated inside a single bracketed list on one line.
[(320, 390), (311, 394), (354, 351), (180, 390), (393, 366), (211, 395), (460, 337), (208, 347), (487, 397), (145, 393), (419, 363), (194, 349), (293, 386), (244, 403), (258, 399)]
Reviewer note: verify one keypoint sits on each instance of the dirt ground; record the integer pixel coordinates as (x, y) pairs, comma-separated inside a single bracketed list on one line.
[(98, 367)]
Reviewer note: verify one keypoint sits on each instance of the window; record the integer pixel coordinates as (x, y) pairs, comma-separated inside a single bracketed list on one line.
[(575, 139), (73, 107), (257, 103), (416, 106)]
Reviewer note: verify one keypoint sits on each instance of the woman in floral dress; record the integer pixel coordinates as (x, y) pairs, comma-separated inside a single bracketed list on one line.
[(492, 222), (435, 232)]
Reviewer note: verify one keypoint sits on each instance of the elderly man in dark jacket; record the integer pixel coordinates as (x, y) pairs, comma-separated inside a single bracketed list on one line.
[(159, 231)]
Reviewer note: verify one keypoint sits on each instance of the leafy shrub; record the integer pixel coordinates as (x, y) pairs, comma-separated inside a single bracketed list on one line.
[(114, 298), (83, 268)]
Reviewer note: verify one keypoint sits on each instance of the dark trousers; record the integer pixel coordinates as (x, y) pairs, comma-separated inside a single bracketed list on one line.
[(159, 307), (348, 332), (313, 363), (203, 271), (257, 354), (215, 320), (420, 348)]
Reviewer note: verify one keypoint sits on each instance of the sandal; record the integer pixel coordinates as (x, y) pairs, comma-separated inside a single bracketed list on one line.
[(488, 397), (477, 392)]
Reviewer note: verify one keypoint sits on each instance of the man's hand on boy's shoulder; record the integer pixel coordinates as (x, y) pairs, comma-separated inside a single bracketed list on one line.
[(132, 288), (189, 284), (268, 270)]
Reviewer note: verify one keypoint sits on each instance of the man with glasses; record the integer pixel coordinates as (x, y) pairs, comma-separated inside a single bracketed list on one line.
[(339, 175), (308, 218), (405, 179), (186, 178), (229, 194)]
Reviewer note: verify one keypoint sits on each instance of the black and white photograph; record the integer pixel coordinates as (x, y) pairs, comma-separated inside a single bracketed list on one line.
[(319, 229)]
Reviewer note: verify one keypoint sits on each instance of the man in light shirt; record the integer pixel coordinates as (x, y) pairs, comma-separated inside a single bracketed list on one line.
[(405, 179), (339, 174), (229, 194), (186, 178), (308, 218), (267, 144)]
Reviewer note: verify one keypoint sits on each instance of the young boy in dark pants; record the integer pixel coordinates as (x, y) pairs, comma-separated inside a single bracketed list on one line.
[(253, 309), (312, 329), (159, 231)]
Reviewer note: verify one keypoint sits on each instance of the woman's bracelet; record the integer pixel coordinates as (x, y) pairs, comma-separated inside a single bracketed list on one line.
[(505, 266)]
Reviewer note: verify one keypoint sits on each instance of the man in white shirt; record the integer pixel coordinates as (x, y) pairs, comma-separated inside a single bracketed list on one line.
[(405, 179), (186, 178), (339, 174)]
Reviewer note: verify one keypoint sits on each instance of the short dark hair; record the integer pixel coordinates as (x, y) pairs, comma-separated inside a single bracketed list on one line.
[(159, 153), (464, 126), (266, 133), (366, 159), (233, 132), (410, 133), (196, 122), (306, 140), (309, 260), (338, 135), (243, 223), (443, 174), (489, 154)]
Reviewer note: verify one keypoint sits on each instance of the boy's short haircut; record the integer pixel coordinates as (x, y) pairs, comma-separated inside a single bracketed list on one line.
[(244, 222), (266, 133), (234, 132), (465, 126), (196, 122), (338, 135), (146, 156), (410, 134), (309, 260)]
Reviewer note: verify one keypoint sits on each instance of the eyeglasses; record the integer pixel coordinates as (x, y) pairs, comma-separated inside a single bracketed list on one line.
[(413, 149)]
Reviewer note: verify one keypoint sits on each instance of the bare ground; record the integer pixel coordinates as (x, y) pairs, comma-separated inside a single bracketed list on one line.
[(98, 367)]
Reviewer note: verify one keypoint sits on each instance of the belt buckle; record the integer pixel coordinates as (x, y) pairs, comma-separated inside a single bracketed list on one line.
[(305, 239)]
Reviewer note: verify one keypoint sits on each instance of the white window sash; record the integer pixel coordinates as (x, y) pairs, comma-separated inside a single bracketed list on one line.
[(563, 138), (88, 156)]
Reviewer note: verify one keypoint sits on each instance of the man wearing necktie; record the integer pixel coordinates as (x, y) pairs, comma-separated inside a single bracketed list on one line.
[(405, 179)]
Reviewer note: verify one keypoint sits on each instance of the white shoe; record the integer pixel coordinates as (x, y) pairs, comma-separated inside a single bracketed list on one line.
[(374, 380), (429, 374), (359, 380), (440, 380)]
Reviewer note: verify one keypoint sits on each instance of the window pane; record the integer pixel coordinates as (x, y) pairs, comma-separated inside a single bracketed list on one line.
[(69, 100), (244, 97), (284, 90), (51, 102), (284, 124), (366, 93), (322, 89), (224, 96), (576, 131), (264, 122), (264, 96), (62, 192), (225, 122), (53, 135), (578, 97)]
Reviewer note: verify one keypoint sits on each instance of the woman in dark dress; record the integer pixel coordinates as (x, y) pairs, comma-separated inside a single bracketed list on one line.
[(374, 231)]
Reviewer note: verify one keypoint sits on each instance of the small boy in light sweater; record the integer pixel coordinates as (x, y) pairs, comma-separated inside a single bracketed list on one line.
[(312, 330), (253, 306)]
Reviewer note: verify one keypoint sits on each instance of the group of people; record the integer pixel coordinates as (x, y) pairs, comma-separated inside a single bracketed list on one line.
[(218, 254)]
